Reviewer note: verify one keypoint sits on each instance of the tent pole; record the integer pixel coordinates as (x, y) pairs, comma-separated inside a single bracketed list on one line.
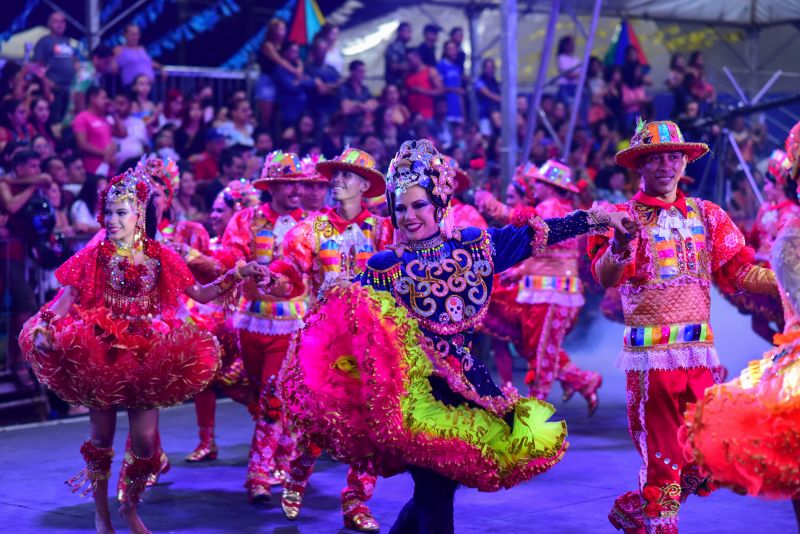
[(576, 105), (541, 79), (473, 13), (508, 91), (93, 22)]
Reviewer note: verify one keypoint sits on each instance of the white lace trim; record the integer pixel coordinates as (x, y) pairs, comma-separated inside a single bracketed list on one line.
[(537, 296), (265, 326), (674, 357)]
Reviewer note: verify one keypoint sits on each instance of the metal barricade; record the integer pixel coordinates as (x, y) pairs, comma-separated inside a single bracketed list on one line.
[(189, 80)]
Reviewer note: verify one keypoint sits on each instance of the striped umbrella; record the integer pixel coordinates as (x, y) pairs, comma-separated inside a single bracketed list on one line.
[(624, 36), (306, 22)]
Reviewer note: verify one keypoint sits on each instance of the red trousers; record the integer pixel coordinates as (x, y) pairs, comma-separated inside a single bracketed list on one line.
[(273, 445), (657, 400), (544, 327), (360, 485)]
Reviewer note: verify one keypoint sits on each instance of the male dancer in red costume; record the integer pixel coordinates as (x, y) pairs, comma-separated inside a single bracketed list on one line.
[(332, 247), (265, 323), (549, 295), (664, 265)]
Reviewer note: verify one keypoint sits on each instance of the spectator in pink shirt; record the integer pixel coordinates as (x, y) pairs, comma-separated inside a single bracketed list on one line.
[(93, 133)]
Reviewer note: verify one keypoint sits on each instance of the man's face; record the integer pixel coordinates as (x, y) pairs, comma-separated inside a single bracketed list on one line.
[(100, 102), (347, 185), (458, 37), (692, 109), (236, 169), (430, 37), (661, 172), (122, 105), (32, 167), (404, 33), (77, 172), (286, 195), (216, 146), (103, 64), (57, 24), (58, 171), (360, 73), (263, 143)]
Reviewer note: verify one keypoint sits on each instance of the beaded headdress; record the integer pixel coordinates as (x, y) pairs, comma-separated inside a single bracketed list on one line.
[(162, 173), (241, 193), (132, 187), (419, 163)]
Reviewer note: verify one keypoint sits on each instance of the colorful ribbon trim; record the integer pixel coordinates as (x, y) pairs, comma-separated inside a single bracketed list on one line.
[(279, 309), (565, 284), (672, 334)]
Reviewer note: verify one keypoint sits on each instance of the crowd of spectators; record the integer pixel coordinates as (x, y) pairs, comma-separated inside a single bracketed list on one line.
[(64, 128)]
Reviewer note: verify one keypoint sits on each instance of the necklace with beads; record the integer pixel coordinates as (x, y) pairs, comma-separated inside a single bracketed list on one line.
[(431, 251), (125, 250)]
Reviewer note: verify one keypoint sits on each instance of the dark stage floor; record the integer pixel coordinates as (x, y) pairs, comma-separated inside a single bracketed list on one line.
[(208, 498), (574, 497)]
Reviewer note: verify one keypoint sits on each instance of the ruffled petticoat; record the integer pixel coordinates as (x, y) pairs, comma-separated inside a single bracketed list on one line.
[(747, 431), (358, 380), (101, 361)]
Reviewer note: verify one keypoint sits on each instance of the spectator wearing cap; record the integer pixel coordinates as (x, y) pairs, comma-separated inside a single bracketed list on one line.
[(427, 49), (423, 85), (206, 164), (452, 74), (132, 140), (357, 101), (96, 72), (132, 58), (93, 135), (395, 56), (55, 52), (324, 96), (232, 167)]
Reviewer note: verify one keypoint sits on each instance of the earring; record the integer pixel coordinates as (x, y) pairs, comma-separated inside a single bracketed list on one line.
[(439, 215)]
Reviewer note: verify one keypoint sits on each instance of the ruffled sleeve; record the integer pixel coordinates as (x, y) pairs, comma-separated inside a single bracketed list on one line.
[(174, 279), (237, 237), (82, 272)]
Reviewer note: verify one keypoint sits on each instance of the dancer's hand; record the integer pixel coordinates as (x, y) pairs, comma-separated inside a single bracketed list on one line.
[(625, 229), (43, 341), (253, 270)]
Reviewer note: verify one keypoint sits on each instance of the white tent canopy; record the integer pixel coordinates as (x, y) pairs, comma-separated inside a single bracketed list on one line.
[(743, 13)]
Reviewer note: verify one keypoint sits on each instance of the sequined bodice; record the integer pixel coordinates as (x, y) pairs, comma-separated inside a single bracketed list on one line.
[(132, 290)]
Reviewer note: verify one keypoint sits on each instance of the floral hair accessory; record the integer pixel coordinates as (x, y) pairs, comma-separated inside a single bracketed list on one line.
[(779, 166), (419, 163)]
